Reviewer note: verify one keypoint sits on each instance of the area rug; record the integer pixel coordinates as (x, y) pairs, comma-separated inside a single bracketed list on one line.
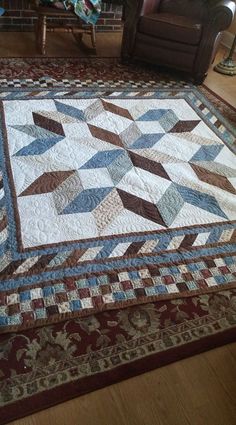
[(43, 72), (117, 233)]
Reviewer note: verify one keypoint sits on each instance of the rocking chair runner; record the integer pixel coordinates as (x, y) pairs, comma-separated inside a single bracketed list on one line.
[(64, 25)]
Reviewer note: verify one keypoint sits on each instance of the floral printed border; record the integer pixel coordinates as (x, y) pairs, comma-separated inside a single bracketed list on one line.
[(67, 359)]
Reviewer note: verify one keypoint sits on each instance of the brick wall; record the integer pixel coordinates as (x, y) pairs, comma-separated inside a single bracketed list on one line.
[(19, 18)]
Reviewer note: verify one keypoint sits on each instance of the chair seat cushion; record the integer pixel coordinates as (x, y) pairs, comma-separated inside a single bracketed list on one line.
[(171, 27)]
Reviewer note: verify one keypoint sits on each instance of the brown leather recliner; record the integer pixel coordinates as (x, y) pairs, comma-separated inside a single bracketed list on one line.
[(183, 34)]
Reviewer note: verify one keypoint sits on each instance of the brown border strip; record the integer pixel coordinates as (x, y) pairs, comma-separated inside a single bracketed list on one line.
[(10, 174)]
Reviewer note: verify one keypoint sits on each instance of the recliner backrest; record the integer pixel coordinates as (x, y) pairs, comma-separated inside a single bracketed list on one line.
[(192, 8)]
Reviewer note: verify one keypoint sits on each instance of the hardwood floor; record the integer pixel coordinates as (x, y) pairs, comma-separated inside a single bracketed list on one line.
[(223, 85), (200, 390), (13, 44)]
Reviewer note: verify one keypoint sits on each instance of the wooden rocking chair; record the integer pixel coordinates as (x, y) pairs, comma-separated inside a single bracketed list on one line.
[(64, 17)]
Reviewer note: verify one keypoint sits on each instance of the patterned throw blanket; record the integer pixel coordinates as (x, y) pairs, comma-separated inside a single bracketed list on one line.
[(87, 10)]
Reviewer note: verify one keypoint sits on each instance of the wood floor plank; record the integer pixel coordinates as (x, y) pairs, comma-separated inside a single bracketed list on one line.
[(223, 365), (201, 388)]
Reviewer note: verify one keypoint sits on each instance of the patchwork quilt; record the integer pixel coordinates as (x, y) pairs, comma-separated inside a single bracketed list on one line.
[(87, 10), (112, 198)]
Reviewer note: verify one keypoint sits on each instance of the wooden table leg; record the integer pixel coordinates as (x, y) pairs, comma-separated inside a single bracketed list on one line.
[(93, 37), (43, 34)]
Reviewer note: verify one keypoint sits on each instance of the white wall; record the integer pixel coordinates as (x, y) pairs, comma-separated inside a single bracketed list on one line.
[(232, 29), (228, 35)]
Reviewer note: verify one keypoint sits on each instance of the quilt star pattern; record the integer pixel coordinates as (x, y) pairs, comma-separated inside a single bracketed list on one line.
[(101, 190)]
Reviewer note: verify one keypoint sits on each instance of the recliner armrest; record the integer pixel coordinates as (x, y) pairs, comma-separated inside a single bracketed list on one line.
[(221, 13), (150, 6), (220, 16)]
